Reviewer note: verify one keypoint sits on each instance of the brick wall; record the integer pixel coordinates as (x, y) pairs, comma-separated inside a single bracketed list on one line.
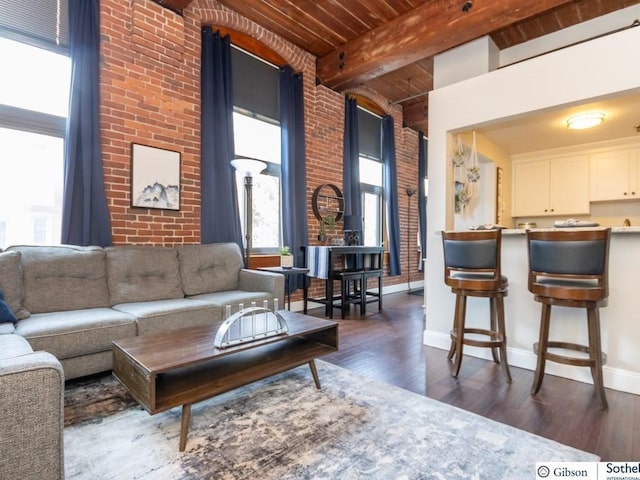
[(150, 94)]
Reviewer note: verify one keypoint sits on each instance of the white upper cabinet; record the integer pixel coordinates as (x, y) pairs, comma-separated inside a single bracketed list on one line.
[(552, 186), (615, 175)]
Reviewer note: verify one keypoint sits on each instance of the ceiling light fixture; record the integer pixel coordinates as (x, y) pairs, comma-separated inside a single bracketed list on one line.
[(585, 120)]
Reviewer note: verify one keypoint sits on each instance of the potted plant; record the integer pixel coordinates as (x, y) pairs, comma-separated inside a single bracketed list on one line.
[(286, 259), (322, 234), (327, 222)]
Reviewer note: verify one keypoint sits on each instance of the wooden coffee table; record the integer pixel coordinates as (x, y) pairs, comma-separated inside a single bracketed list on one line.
[(182, 367)]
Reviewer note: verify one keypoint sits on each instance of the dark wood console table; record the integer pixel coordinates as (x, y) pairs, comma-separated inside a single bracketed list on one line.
[(355, 257)]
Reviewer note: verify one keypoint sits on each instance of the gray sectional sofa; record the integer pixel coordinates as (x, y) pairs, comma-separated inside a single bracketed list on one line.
[(72, 302), (31, 412)]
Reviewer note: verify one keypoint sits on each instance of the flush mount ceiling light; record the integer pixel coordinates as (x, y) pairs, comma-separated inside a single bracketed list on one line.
[(585, 120)]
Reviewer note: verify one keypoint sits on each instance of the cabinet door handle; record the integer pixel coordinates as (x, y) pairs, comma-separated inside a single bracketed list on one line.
[(625, 193)]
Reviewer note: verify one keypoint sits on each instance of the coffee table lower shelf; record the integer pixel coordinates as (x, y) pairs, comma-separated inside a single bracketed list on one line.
[(191, 377)]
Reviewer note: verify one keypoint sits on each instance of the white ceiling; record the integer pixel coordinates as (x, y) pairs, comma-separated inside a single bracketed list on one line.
[(548, 129)]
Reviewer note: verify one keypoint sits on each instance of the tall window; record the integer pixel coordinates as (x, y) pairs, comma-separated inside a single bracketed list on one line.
[(256, 125), (34, 92), (371, 168), (259, 139)]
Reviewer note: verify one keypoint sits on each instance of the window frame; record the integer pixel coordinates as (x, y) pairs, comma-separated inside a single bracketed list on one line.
[(273, 170), (19, 119), (377, 190), (250, 46), (379, 193)]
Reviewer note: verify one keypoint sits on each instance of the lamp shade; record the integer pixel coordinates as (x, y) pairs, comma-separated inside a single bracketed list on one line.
[(248, 167)]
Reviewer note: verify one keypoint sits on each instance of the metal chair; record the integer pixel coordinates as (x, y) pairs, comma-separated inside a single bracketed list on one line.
[(472, 269), (570, 269)]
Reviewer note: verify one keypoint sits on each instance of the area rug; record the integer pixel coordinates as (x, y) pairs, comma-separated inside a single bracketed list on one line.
[(283, 428)]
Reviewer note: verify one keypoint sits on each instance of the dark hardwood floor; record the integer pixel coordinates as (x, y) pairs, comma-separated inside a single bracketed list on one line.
[(388, 347)]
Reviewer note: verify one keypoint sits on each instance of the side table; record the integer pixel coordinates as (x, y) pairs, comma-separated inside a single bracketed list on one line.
[(287, 272)]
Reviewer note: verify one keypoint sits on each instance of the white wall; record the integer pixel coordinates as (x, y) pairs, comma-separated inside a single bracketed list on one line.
[(469, 60), (576, 74)]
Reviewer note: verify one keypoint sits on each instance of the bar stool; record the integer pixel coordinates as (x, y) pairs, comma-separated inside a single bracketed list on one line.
[(372, 269), (570, 269), (351, 290), (472, 269)]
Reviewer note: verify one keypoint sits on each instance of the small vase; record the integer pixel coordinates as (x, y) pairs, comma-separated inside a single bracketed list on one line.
[(286, 261)]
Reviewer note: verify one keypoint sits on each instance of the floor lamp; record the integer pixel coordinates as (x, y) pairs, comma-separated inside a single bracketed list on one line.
[(249, 168)]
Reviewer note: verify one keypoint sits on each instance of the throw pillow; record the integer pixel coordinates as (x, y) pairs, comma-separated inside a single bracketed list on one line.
[(6, 314)]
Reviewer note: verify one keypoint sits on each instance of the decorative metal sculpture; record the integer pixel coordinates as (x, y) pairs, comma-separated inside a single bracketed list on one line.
[(249, 325)]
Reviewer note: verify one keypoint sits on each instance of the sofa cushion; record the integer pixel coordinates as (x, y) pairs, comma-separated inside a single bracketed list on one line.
[(163, 315), (210, 268), (63, 277), (6, 314), (13, 346), (78, 332), (7, 327), (11, 283), (140, 274)]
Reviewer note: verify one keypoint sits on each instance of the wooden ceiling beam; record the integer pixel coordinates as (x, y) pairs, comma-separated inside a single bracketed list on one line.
[(425, 31)]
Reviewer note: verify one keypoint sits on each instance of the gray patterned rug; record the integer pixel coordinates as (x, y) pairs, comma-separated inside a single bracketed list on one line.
[(283, 428)]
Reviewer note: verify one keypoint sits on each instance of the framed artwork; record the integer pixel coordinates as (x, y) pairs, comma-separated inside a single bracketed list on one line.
[(155, 177)]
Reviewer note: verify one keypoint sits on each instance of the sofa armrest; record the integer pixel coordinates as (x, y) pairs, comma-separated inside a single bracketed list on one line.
[(258, 281), (31, 417)]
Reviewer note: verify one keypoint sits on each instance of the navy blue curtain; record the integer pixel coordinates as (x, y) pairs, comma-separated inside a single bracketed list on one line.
[(219, 212), (422, 199), (85, 216), (293, 169), (351, 169), (391, 191)]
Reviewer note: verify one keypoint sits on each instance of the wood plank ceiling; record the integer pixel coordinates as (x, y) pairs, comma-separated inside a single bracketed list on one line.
[(388, 45)]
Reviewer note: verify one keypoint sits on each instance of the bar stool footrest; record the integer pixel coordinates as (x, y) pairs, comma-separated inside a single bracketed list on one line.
[(567, 359), (495, 341)]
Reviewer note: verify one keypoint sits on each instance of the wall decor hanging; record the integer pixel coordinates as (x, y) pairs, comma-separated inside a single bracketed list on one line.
[(466, 174), (459, 156), (155, 177), (473, 167)]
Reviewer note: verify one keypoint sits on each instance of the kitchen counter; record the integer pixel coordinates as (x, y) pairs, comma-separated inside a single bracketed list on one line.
[(522, 231), (619, 319)]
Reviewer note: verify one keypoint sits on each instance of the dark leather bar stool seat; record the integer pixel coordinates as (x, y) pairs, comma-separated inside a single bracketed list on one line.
[(570, 269), (472, 269)]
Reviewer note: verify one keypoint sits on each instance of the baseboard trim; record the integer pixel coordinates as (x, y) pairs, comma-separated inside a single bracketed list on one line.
[(614, 378)]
